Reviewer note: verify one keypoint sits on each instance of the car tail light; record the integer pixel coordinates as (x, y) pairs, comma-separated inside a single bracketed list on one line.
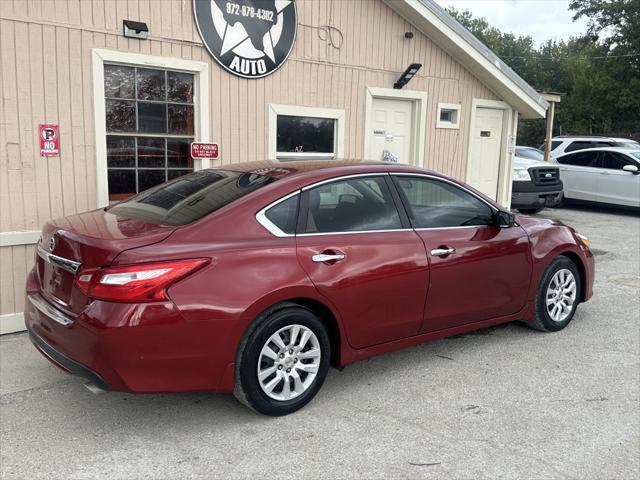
[(144, 282)]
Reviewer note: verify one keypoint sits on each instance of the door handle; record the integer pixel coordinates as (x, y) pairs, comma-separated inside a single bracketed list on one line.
[(325, 257), (441, 252)]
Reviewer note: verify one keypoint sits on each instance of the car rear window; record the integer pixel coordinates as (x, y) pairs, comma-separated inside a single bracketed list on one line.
[(191, 197)]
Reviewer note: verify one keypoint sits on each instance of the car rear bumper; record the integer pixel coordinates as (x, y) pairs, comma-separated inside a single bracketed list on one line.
[(140, 348), (65, 363)]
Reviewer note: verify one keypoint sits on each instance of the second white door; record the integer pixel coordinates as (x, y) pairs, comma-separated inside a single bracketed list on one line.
[(484, 157)]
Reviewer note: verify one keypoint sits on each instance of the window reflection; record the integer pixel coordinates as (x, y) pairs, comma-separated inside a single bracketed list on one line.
[(154, 102)]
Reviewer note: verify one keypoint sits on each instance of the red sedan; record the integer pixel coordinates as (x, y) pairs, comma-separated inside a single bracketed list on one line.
[(255, 278)]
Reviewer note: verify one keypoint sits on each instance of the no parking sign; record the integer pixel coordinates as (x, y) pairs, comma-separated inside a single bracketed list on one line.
[(49, 140)]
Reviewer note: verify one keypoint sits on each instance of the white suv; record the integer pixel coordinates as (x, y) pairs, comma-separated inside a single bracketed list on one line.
[(604, 175), (562, 145)]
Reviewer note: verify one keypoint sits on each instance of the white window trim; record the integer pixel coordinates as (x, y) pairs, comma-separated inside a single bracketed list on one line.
[(297, 111), (26, 237), (200, 104), (418, 155), (449, 106)]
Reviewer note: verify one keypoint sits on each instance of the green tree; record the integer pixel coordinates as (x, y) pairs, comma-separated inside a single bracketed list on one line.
[(616, 23), (597, 73)]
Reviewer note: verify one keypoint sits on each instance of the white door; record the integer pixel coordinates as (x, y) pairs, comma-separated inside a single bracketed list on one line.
[(484, 157), (391, 128), (615, 185)]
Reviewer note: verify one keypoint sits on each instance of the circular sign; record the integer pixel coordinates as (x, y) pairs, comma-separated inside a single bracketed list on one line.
[(249, 38), (48, 133)]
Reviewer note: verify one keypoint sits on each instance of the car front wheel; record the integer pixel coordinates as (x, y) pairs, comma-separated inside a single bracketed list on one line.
[(558, 295), (283, 362)]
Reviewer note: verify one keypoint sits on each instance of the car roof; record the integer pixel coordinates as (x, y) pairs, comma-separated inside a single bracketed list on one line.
[(604, 149), (592, 137), (298, 174), (320, 168)]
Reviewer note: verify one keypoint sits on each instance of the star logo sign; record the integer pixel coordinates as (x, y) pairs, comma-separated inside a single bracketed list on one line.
[(250, 38)]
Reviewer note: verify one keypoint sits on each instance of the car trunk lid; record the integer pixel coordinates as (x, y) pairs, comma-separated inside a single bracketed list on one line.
[(84, 241)]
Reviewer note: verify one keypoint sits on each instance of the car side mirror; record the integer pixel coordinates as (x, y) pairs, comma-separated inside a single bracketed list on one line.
[(504, 219), (631, 168)]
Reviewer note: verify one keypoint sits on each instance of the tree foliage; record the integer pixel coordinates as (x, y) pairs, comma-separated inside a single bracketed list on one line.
[(615, 22), (597, 73)]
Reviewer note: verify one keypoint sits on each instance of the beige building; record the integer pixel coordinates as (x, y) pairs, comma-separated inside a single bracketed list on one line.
[(128, 108)]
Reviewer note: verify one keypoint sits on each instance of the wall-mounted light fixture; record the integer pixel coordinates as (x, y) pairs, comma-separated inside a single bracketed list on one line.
[(407, 75), (408, 35), (131, 29)]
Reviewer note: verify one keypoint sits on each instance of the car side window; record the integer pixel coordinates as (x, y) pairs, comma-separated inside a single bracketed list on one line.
[(578, 145), (437, 204), (284, 215), (582, 159), (351, 205), (614, 161)]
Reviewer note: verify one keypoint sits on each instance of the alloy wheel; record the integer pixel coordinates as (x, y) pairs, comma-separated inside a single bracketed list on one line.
[(288, 362), (561, 295)]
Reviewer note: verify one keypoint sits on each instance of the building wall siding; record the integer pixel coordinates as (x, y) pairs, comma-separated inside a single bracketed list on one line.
[(342, 47)]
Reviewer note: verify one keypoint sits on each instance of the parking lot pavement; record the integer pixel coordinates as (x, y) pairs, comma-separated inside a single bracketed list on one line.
[(504, 402)]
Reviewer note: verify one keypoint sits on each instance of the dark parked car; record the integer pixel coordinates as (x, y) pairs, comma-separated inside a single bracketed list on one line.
[(255, 278)]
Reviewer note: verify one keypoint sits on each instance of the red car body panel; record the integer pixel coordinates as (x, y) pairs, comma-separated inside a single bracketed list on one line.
[(382, 283), (390, 294), (495, 265)]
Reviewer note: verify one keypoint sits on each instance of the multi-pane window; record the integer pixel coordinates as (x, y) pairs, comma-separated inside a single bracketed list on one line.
[(150, 124)]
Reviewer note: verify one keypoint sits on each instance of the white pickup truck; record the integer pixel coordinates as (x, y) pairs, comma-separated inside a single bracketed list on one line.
[(535, 185)]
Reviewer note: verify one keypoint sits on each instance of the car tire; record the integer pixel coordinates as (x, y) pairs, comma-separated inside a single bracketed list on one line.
[(530, 211), (558, 295), (265, 365)]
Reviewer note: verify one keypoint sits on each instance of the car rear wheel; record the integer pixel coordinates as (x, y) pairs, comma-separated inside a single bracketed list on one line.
[(283, 362), (558, 295), (530, 211)]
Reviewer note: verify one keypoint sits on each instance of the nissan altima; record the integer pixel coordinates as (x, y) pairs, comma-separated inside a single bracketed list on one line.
[(255, 278)]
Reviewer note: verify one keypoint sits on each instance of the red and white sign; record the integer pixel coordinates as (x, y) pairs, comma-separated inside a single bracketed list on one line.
[(204, 150), (49, 140)]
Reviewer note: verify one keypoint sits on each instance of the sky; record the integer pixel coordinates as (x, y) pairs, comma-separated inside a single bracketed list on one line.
[(541, 19)]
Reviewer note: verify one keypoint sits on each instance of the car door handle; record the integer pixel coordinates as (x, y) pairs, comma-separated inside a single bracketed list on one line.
[(325, 257), (441, 252)]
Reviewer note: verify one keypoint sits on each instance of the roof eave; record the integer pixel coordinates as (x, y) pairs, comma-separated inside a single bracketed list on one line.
[(458, 42)]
